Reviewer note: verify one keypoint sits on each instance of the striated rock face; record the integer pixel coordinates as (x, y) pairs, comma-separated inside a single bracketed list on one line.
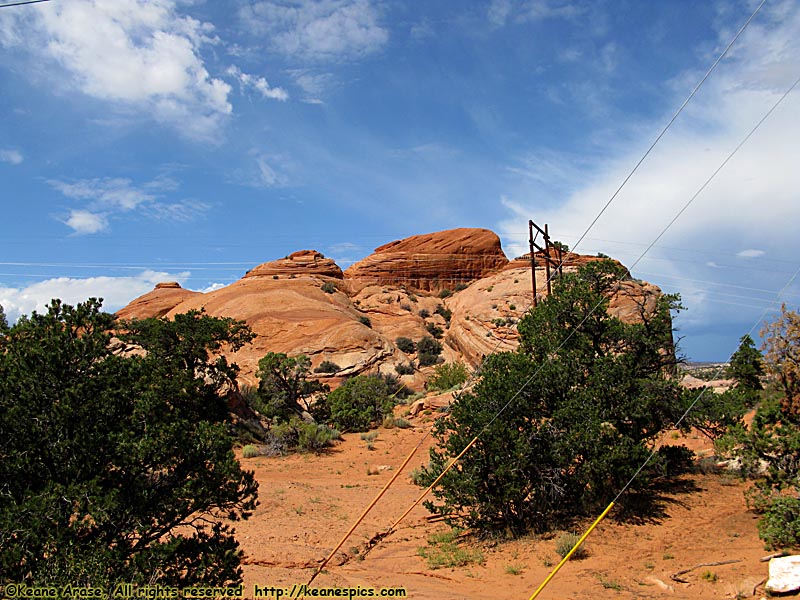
[(433, 261), (304, 262), (157, 303)]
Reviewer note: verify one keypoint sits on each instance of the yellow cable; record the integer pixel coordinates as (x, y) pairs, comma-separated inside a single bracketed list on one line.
[(571, 552)]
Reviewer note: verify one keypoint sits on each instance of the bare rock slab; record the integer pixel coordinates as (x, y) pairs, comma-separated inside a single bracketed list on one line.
[(784, 575)]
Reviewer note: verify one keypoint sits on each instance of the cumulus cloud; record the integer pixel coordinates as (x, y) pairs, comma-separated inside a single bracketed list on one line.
[(138, 53), (84, 221), (318, 29), (11, 156), (116, 291), (259, 84)]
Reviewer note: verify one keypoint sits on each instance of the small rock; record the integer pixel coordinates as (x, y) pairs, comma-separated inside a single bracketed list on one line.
[(784, 575)]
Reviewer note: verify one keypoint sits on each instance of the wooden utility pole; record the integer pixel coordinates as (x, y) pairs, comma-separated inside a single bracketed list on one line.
[(548, 260)]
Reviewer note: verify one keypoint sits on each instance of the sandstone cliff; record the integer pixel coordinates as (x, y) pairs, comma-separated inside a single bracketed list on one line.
[(304, 304)]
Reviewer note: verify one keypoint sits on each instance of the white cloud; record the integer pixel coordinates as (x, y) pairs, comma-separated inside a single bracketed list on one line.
[(11, 156), (318, 29), (755, 199), (213, 287), (84, 222), (259, 84), (108, 197), (109, 192), (751, 253), (116, 291), (138, 53), (520, 11)]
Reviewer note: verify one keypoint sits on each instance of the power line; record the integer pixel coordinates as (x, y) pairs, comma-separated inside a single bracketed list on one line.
[(21, 3), (671, 121)]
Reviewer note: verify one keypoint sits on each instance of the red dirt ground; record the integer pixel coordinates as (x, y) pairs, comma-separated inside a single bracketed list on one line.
[(308, 502)]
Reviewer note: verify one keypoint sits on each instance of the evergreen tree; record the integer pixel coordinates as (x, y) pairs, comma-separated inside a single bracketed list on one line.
[(747, 365), (116, 466), (564, 422)]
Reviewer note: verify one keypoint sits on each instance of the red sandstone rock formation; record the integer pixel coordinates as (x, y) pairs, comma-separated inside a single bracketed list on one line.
[(433, 261), (304, 262), (157, 303), (284, 303)]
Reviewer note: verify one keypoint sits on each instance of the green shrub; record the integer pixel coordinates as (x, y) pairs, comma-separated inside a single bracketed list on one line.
[(446, 313), (779, 526), (359, 403), (565, 543), (428, 351), (313, 437), (429, 346), (405, 345), (426, 359), (436, 331), (445, 293), (327, 366), (405, 368), (328, 287), (460, 286), (364, 320), (443, 551), (249, 451), (447, 376), (298, 435), (424, 313)]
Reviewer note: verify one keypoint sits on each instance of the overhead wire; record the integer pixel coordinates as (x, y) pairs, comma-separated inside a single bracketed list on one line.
[(691, 406), (556, 270)]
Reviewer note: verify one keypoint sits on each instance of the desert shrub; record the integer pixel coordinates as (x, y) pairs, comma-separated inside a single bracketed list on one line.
[(327, 366), (424, 313), (405, 345), (359, 403), (406, 307), (404, 368), (364, 320), (249, 451), (297, 435), (591, 394), (446, 313), (435, 331), (428, 351), (429, 345), (315, 438), (779, 525), (565, 543), (447, 376), (394, 387), (443, 551), (460, 286), (328, 287), (426, 359), (445, 293)]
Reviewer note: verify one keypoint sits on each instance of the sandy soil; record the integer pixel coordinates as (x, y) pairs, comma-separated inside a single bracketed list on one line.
[(309, 502)]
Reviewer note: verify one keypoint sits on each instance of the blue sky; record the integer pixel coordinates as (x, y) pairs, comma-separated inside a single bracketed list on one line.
[(143, 141)]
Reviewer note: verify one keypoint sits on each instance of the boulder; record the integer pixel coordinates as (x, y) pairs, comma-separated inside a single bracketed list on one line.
[(784, 575), (433, 261)]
